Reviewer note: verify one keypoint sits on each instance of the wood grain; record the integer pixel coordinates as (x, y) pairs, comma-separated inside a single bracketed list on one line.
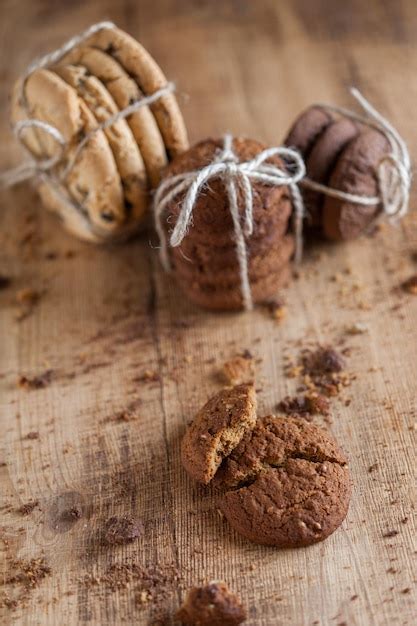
[(108, 315)]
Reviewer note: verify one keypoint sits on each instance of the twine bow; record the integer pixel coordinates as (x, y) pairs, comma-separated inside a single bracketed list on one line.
[(235, 176)]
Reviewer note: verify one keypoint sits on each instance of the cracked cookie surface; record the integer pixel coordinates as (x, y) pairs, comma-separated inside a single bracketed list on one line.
[(287, 483), (218, 428)]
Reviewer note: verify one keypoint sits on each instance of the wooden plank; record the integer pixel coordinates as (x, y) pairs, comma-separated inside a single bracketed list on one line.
[(108, 441)]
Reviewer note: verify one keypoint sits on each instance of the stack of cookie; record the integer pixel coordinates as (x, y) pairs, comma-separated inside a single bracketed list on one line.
[(101, 190), (343, 155), (206, 263)]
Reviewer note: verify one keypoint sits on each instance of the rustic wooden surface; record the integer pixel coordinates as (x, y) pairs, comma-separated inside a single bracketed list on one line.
[(108, 315)]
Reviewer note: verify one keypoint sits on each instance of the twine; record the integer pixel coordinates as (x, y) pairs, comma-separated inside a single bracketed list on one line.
[(38, 167), (393, 170), (235, 176)]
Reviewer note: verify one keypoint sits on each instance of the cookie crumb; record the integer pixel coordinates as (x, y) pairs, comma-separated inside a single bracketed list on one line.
[(33, 434), (390, 533), (410, 285), (120, 530), (306, 405), (36, 382), (27, 508), (5, 282), (276, 308), (357, 329), (239, 370), (211, 605)]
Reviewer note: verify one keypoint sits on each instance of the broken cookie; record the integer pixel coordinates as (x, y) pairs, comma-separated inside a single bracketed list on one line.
[(286, 484), (211, 605), (217, 429)]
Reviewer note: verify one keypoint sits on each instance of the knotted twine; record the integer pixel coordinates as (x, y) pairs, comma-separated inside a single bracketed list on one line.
[(43, 167), (235, 176), (393, 174)]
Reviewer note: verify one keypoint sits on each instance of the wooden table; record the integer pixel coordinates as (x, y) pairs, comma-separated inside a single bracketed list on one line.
[(104, 439)]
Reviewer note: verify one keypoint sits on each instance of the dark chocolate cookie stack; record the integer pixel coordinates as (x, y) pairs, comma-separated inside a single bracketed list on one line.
[(344, 155), (206, 264)]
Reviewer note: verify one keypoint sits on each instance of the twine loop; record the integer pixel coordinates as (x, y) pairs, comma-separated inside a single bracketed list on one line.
[(236, 176)]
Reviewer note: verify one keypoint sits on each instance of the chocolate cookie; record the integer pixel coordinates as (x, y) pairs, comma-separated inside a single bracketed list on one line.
[(215, 253), (355, 173), (307, 128), (321, 159), (217, 298), (217, 429), (287, 484), (259, 266), (211, 605), (211, 213)]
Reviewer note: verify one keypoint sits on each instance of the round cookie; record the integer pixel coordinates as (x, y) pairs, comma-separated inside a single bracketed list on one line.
[(140, 66), (321, 159), (355, 173), (286, 484), (307, 128), (211, 214), (230, 299), (93, 184), (124, 90), (269, 236), (126, 154), (217, 429), (259, 266)]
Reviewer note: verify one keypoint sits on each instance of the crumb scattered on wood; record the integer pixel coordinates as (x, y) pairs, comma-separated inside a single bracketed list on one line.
[(239, 370), (33, 434), (276, 308), (148, 376), (390, 533), (121, 530), (5, 282), (306, 405), (26, 509), (36, 382), (410, 285), (21, 577)]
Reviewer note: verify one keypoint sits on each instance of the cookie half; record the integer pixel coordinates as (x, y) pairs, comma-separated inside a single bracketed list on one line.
[(355, 172), (125, 91), (216, 431), (286, 484), (93, 185), (126, 154)]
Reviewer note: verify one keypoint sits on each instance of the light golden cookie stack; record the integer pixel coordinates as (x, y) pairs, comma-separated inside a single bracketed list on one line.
[(101, 186)]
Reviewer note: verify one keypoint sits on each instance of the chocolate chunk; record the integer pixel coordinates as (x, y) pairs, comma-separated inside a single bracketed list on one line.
[(211, 605)]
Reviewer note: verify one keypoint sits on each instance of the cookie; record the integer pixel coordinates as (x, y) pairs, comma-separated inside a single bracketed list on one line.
[(93, 184), (124, 90), (307, 128), (213, 298), (141, 67), (218, 257), (355, 173), (321, 159), (126, 154), (286, 484), (217, 429), (211, 213), (211, 605), (259, 266)]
